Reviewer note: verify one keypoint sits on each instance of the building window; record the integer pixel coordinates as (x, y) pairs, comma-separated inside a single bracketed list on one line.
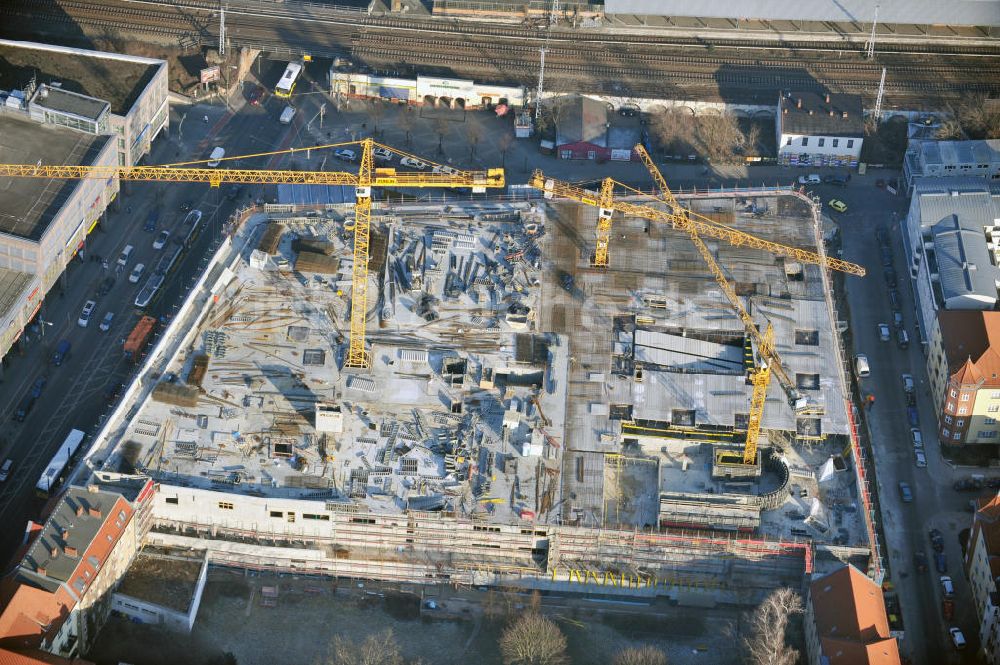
[(987, 434), (291, 517), (225, 505), (950, 406), (964, 410), (946, 432), (836, 142), (788, 141), (805, 141), (960, 423), (957, 436), (990, 421), (821, 142), (964, 397), (172, 499), (993, 408), (995, 394), (947, 420), (850, 143), (953, 394), (277, 513)]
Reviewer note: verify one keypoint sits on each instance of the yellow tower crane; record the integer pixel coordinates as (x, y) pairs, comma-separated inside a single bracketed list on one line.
[(368, 176), (696, 225)]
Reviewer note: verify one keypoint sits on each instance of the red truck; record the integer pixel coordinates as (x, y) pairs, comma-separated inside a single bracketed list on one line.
[(948, 608), (136, 342)]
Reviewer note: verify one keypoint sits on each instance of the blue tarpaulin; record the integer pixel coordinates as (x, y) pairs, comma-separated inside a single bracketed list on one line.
[(311, 195)]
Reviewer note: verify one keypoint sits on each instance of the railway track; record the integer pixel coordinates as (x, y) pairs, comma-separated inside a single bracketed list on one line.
[(650, 64)]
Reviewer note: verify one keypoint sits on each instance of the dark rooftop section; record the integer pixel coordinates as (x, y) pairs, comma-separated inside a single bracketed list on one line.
[(65, 101), (165, 579), (69, 531), (28, 205), (582, 119), (810, 114), (118, 82)]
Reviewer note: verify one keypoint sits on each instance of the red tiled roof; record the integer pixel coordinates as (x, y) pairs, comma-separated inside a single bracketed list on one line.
[(972, 336), (849, 611), (846, 652), (31, 614), (36, 657), (987, 521)]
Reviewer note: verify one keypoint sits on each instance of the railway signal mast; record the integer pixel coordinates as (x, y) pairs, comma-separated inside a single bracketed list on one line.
[(222, 29), (553, 17), (878, 99), (870, 46)]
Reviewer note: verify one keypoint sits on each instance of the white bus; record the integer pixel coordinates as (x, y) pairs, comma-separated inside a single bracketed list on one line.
[(286, 85), (53, 476)]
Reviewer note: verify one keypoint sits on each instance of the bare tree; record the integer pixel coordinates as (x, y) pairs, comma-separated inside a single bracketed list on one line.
[(533, 640), (407, 122), (753, 138), (504, 143), (719, 136), (979, 117), (673, 129), (765, 644), (440, 128), (950, 129), (473, 133), (644, 655), (376, 110), (376, 649)]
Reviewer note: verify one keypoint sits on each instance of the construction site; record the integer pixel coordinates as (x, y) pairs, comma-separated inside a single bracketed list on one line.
[(569, 392)]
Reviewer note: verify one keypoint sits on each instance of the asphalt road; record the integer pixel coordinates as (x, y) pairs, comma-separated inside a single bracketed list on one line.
[(935, 503), (74, 395)]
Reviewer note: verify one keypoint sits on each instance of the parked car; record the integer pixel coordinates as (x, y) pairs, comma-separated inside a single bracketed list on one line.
[(902, 339), (345, 155), (957, 638), (105, 288), (136, 273), (941, 562), (62, 350), (5, 469), (920, 562), (890, 277), (38, 386), (24, 408), (913, 416), (920, 459), (905, 492), (234, 192), (86, 313), (883, 332), (917, 438), (838, 205), (255, 95), (186, 205), (152, 220), (413, 163), (106, 322), (811, 179), (862, 366), (894, 298), (947, 588), (882, 236), (897, 318), (886, 257), (382, 154), (908, 385), (937, 540), (161, 240)]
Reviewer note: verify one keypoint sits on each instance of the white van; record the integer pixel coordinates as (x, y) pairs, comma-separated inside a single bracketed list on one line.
[(862, 366), (287, 115), (217, 154), (125, 256)]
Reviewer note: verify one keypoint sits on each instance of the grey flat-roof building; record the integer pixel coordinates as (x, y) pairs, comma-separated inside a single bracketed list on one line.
[(950, 159), (64, 106), (950, 240)]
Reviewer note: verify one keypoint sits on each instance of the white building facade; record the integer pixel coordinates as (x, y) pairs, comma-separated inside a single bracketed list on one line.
[(819, 130)]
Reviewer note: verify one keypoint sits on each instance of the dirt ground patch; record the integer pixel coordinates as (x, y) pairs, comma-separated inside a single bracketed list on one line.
[(308, 614)]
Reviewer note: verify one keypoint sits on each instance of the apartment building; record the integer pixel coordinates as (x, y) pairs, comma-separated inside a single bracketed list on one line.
[(846, 623), (982, 565), (951, 159), (819, 130)]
